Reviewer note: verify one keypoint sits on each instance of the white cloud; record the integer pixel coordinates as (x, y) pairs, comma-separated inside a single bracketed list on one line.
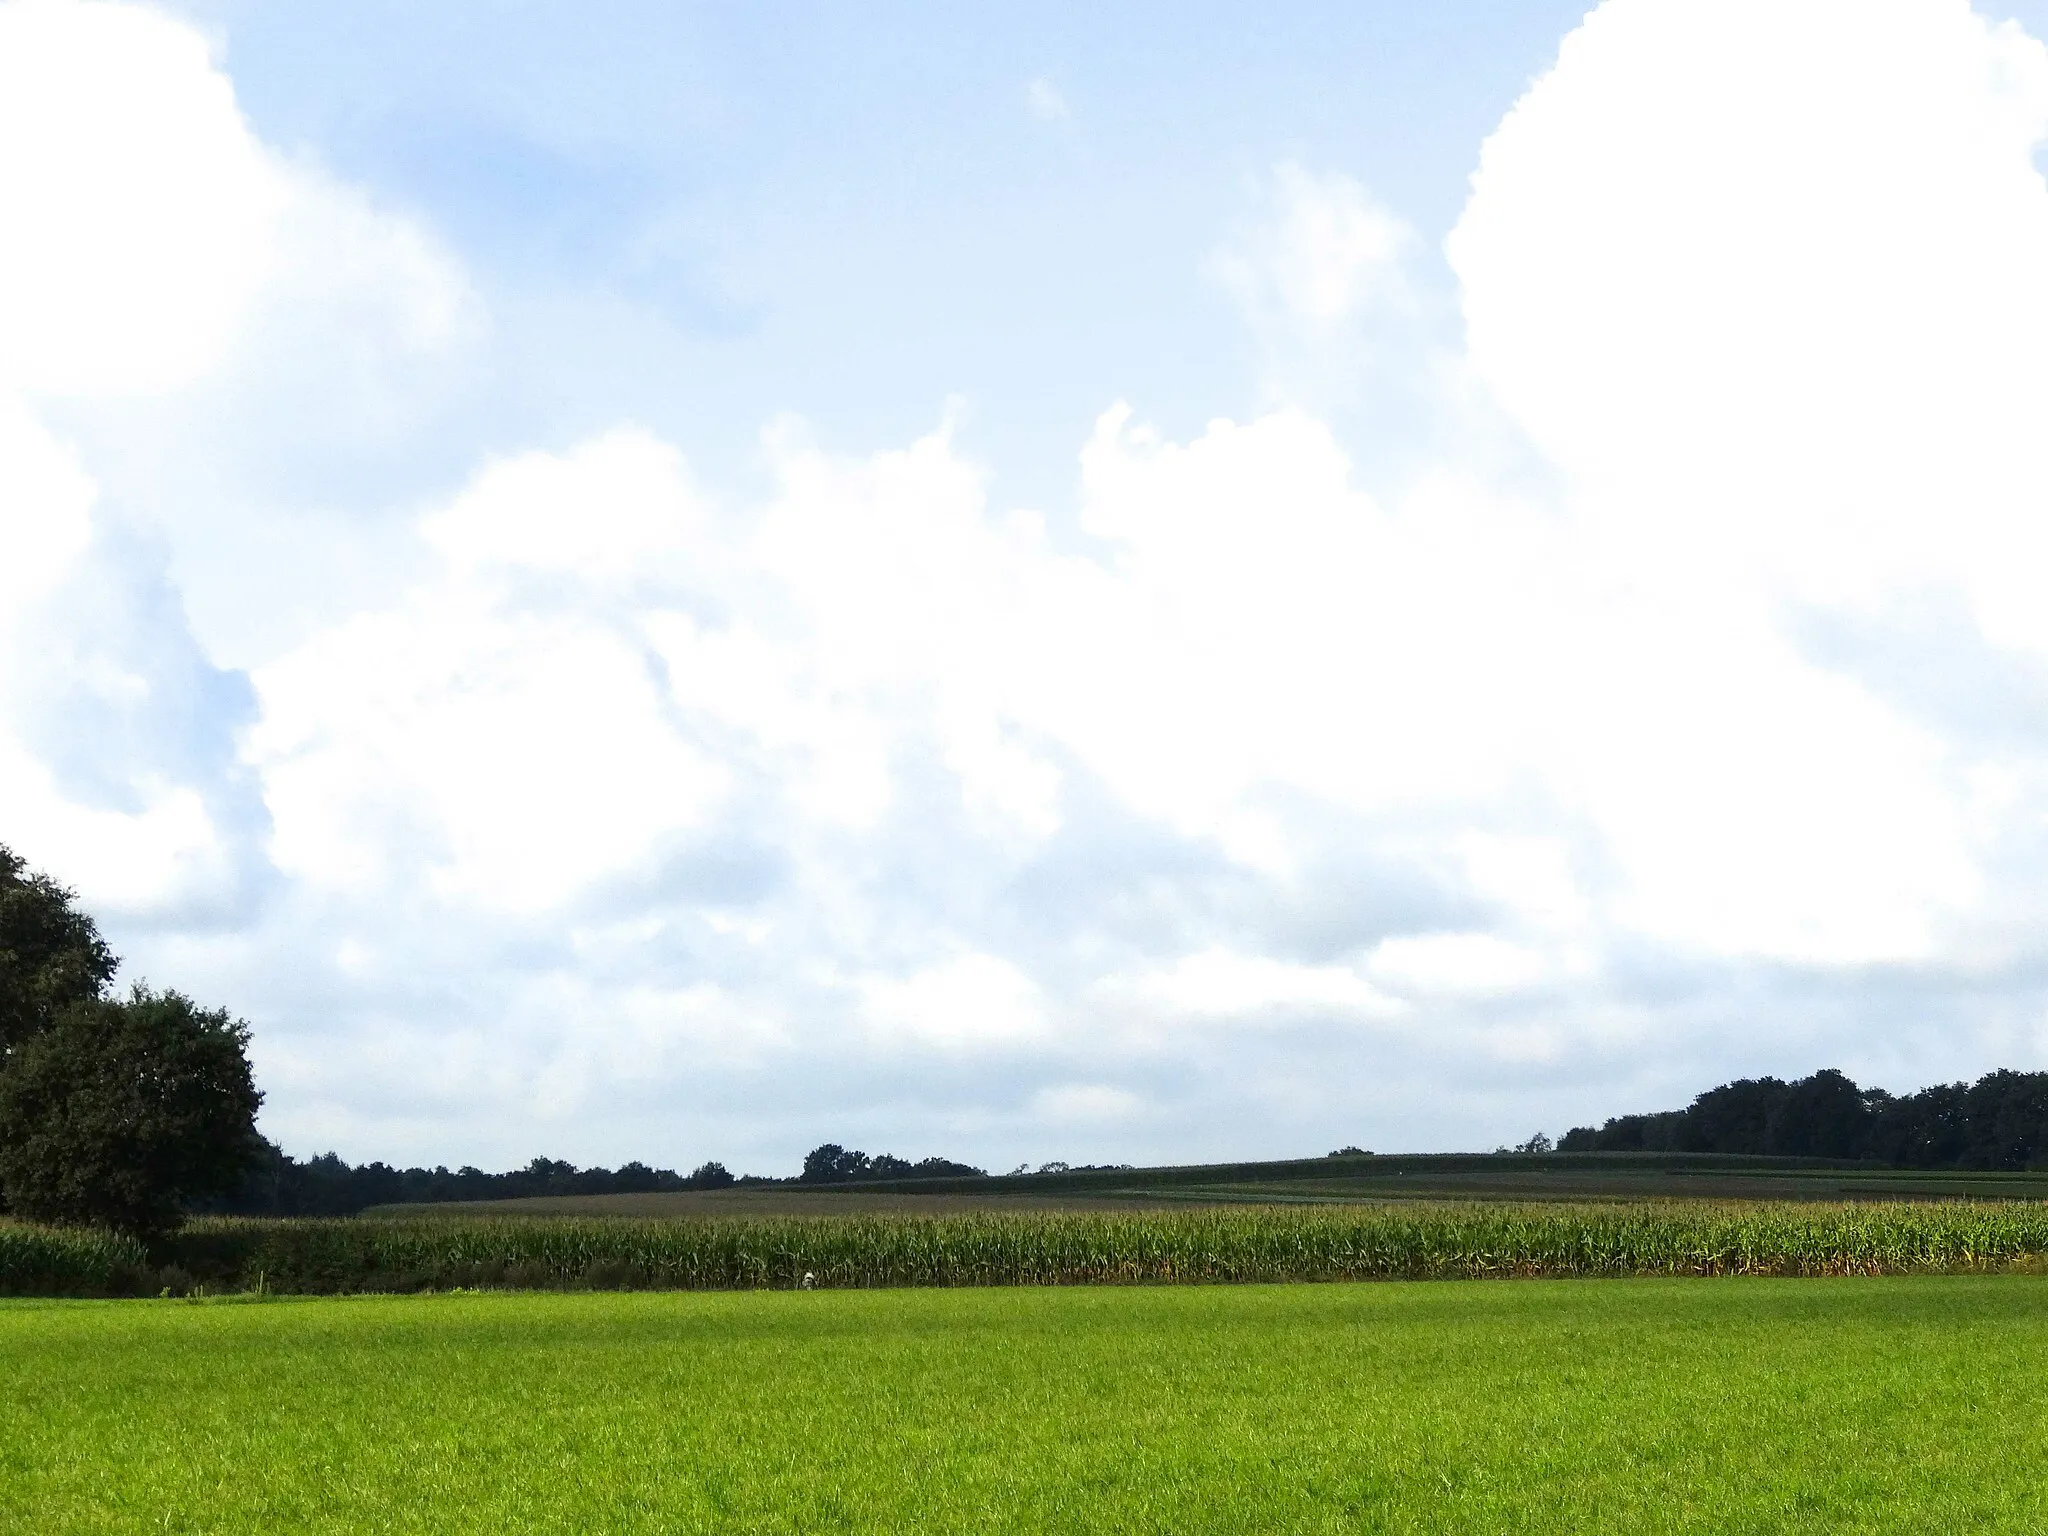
[(159, 257), (614, 798), (973, 1001), (1793, 337), (1460, 965), (512, 741), (151, 841), (46, 513), (1783, 352), (124, 861), (611, 511), (152, 209), (1086, 1104), (1221, 984), (164, 232)]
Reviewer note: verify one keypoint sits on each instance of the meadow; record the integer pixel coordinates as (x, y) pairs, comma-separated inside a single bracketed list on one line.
[(1907, 1404)]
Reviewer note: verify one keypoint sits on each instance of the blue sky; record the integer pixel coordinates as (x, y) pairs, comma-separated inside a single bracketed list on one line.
[(701, 217), (681, 582)]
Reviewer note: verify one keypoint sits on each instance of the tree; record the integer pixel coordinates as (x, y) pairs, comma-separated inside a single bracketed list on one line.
[(1735, 1117), (946, 1168), (51, 954), (118, 1113), (1819, 1116), (2008, 1120), (832, 1164)]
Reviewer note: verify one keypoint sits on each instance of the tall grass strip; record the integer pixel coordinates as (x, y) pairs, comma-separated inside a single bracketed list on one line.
[(44, 1261), (1407, 1241)]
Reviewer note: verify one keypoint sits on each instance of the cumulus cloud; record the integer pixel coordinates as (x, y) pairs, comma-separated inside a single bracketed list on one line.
[(1782, 355), (150, 205), (81, 665), (825, 743), (165, 236), (228, 335), (501, 735), (163, 264), (1248, 801), (1758, 278)]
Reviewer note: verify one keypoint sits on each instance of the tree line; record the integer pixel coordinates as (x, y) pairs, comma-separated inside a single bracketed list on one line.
[(278, 1184), (834, 1164), (1998, 1122)]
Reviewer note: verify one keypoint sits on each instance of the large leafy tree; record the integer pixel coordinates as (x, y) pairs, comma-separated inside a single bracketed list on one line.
[(113, 1112), (51, 954), (833, 1164), (121, 1112)]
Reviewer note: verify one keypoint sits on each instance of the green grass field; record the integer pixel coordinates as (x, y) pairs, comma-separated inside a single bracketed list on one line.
[(1899, 1404)]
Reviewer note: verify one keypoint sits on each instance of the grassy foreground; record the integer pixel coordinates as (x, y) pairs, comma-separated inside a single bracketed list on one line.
[(1914, 1404)]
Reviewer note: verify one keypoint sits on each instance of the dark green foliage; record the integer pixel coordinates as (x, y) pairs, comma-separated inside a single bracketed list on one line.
[(1824, 1115), (51, 954), (834, 1164), (112, 1113), (326, 1185), (1627, 1133), (1998, 1122), (118, 1113), (1736, 1116), (931, 1168)]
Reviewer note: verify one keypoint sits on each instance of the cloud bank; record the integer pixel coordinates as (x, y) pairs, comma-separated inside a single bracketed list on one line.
[(1681, 716)]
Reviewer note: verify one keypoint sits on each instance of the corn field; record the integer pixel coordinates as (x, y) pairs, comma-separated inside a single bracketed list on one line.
[(1216, 1245), (41, 1261)]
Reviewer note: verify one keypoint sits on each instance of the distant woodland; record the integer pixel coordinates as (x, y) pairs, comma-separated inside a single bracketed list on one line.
[(1999, 1121), (280, 1185)]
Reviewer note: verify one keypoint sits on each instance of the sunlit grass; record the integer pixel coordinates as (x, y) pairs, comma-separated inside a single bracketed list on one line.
[(1915, 1404)]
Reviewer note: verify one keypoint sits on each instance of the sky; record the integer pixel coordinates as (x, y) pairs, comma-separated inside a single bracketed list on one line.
[(1142, 583)]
